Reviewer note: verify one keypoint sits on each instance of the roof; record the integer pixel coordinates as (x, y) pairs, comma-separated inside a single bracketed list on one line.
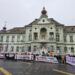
[(16, 30), (69, 29), (35, 22), (55, 22)]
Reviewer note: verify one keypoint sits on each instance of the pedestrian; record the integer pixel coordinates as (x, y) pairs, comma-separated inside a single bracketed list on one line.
[(34, 57), (63, 59)]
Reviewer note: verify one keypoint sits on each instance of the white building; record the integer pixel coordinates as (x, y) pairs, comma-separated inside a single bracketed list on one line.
[(40, 36)]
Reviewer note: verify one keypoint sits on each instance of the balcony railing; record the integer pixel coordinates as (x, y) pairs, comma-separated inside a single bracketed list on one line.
[(44, 40)]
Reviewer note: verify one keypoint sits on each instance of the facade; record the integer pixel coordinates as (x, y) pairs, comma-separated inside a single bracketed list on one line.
[(41, 36)]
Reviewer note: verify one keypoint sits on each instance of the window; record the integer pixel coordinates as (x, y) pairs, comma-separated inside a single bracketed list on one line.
[(65, 40), (71, 38), (57, 30), (1, 39), (35, 28), (65, 49), (29, 49), (30, 30), (59, 50), (12, 48), (51, 28), (51, 36), (1, 47), (34, 48), (57, 37), (18, 38), (22, 49), (35, 36), (72, 49), (43, 20), (7, 38), (13, 37), (23, 39), (6, 48), (43, 33), (30, 36), (52, 48), (17, 49)]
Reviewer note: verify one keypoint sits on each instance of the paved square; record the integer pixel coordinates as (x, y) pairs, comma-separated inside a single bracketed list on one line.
[(36, 68)]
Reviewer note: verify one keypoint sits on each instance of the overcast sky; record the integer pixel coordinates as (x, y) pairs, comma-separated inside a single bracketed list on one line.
[(18, 13)]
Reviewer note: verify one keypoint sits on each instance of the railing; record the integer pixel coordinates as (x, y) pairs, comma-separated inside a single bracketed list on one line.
[(44, 40)]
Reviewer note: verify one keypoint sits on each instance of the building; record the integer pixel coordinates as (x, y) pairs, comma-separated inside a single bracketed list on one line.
[(41, 36)]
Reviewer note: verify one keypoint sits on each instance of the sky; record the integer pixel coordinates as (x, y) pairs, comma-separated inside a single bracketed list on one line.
[(18, 13)]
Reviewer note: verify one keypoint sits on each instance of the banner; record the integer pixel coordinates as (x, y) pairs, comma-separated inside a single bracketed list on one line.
[(50, 59), (47, 59), (70, 60), (1, 56), (23, 57)]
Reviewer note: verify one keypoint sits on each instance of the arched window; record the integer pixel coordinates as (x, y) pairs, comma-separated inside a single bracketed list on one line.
[(43, 33)]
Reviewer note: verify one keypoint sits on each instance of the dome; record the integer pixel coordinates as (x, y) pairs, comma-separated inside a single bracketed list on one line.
[(43, 11), (4, 28)]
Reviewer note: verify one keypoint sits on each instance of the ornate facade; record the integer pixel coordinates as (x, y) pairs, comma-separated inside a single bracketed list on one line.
[(40, 37)]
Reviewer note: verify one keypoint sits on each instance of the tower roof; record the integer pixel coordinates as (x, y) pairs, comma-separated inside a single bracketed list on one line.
[(44, 11)]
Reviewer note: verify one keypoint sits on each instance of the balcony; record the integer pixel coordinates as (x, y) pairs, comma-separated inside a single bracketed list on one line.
[(44, 40)]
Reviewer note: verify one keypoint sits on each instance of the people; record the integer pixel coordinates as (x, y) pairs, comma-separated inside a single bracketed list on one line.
[(34, 57), (62, 59)]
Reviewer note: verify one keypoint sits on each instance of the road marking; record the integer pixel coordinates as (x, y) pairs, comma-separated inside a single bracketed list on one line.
[(63, 72), (4, 71)]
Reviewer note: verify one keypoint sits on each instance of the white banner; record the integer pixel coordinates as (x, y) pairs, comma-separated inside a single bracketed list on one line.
[(38, 58), (70, 60), (24, 57), (47, 59), (1, 56)]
